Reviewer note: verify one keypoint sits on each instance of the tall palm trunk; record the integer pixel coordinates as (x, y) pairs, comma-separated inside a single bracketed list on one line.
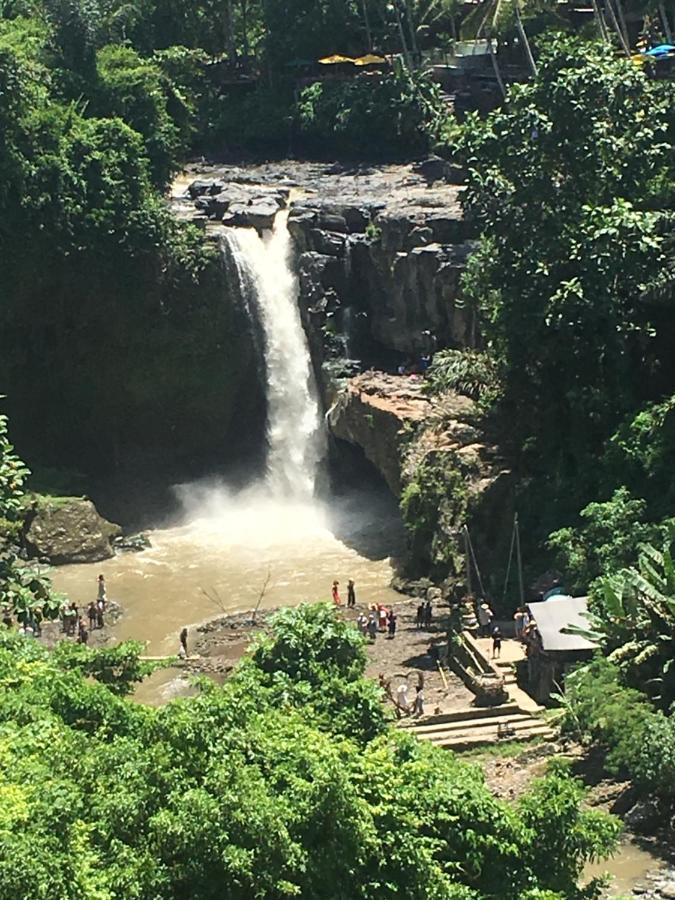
[(523, 37)]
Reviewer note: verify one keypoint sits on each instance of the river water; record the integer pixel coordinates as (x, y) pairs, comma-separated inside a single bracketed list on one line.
[(219, 559)]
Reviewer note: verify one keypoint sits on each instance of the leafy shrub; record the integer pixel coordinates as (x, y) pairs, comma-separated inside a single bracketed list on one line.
[(639, 741), (384, 118), (470, 372), (607, 539)]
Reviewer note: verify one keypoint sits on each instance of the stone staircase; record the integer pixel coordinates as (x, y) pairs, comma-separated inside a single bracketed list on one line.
[(518, 719), (467, 729)]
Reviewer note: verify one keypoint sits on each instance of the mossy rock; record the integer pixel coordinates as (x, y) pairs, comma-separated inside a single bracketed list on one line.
[(68, 530)]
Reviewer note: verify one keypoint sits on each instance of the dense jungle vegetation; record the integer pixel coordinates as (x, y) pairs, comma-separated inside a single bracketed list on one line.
[(289, 778), (287, 782)]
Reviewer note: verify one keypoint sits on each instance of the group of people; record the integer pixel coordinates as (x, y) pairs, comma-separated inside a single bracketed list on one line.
[(425, 614), (403, 705), (379, 619), (351, 594), (75, 624)]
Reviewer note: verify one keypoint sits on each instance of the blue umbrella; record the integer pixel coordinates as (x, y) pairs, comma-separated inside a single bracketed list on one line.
[(661, 50)]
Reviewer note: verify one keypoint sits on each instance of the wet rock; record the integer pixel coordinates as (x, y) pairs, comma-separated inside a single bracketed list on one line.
[(259, 214), (644, 817), (203, 186), (328, 242), (68, 530), (131, 543)]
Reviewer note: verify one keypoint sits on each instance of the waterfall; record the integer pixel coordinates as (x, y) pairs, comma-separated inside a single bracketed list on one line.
[(295, 435)]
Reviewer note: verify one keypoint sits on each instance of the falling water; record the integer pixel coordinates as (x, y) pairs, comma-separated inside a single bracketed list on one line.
[(295, 434)]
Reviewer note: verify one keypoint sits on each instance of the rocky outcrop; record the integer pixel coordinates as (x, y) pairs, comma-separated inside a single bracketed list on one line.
[(373, 412), (68, 530), (397, 249), (435, 454)]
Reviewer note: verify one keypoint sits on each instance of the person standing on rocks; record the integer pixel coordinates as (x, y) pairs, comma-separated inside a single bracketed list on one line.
[(102, 593), (362, 623), (92, 613), (82, 632), (485, 616), (428, 613), (419, 619), (351, 595), (100, 609), (419, 701), (183, 652), (496, 643), (372, 627), (335, 592), (391, 624)]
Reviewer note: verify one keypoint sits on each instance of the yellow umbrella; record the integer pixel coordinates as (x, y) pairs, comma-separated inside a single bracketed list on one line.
[(369, 60), (335, 59)]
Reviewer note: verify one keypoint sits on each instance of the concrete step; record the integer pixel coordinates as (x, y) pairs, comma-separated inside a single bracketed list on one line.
[(490, 722), (470, 712), (488, 735), (460, 743)]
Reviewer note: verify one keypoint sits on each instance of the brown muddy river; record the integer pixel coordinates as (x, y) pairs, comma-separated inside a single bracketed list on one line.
[(220, 557)]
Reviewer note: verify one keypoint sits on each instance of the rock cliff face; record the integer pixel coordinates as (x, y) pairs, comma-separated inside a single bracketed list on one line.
[(376, 412), (434, 455), (380, 257)]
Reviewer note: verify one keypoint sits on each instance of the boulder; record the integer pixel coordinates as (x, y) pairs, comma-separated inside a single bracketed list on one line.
[(68, 530), (432, 169), (259, 215), (644, 818), (202, 186)]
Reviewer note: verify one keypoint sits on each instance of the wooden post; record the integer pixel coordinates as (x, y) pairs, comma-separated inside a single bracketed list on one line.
[(520, 562), (495, 66), (467, 561), (523, 37)]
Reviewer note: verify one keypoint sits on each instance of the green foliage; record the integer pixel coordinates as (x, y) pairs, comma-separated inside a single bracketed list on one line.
[(633, 613), (607, 539), (638, 741), (564, 182), (13, 474), (139, 92), (119, 668), (598, 708), (230, 796), (315, 659), (395, 115), (551, 810), (470, 372)]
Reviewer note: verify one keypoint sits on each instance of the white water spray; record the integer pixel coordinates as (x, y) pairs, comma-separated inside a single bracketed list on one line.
[(295, 435)]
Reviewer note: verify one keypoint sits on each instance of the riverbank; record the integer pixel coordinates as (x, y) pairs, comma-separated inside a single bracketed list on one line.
[(218, 645)]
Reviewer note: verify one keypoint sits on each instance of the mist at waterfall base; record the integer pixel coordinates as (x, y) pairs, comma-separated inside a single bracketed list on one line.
[(276, 533)]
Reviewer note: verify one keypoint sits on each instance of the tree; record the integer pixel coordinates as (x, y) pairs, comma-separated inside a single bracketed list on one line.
[(565, 182), (632, 617), (232, 794)]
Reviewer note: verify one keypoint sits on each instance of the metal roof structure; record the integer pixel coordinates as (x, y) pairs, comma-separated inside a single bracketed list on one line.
[(559, 612)]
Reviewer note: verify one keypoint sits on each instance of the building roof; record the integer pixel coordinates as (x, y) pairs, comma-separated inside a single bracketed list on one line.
[(559, 612)]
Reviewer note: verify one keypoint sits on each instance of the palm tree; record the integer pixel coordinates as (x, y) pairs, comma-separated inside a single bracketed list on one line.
[(632, 619)]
